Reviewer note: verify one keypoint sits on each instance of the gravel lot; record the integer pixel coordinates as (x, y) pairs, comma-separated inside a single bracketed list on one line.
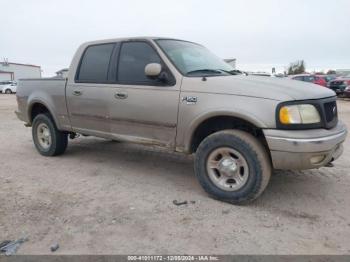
[(104, 197)]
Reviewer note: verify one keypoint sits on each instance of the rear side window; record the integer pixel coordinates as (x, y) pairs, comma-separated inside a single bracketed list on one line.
[(300, 78), (309, 78), (95, 63), (133, 58)]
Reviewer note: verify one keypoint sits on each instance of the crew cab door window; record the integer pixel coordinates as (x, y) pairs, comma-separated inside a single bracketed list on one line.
[(133, 58), (95, 63)]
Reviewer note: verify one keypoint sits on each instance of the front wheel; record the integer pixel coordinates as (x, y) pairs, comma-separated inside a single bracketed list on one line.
[(8, 91), (48, 140), (232, 166)]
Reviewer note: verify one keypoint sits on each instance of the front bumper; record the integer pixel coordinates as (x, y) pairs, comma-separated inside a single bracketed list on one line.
[(305, 149), (346, 93), (338, 90)]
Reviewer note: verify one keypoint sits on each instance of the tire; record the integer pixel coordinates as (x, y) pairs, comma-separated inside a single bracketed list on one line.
[(237, 183), (8, 91), (48, 140)]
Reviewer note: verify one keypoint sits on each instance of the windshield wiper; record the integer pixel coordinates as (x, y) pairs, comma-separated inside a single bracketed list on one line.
[(206, 71), (232, 72)]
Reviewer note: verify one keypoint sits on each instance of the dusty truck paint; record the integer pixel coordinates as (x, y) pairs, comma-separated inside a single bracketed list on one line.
[(176, 94)]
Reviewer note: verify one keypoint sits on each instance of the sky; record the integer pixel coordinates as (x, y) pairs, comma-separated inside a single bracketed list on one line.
[(260, 34)]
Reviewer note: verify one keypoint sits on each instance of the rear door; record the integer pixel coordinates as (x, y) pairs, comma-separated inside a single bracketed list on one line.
[(143, 109), (88, 95)]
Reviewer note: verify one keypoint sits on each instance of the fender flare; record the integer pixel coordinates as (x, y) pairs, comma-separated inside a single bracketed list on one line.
[(45, 104), (198, 120)]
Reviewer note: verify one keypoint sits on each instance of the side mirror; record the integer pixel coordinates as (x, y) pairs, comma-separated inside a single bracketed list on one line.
[(153, 70)]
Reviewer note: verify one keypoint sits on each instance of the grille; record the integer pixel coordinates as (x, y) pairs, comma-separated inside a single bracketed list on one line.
[(336, 83), (331, 112)]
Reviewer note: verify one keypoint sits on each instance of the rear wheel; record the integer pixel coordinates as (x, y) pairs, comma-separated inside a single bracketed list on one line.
[(232, 166), (8, 91), (48, 140)]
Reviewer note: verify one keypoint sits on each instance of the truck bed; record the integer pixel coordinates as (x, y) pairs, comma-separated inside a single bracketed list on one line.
[(50, 90)]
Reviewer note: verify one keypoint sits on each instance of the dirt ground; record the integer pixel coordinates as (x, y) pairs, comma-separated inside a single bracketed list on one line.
[(104, 197)]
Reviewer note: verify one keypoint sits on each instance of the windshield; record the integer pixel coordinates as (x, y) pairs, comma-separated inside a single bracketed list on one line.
[(193, 59)]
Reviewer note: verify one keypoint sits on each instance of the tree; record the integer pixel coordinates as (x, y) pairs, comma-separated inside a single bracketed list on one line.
[(297, 67), (331, 72)]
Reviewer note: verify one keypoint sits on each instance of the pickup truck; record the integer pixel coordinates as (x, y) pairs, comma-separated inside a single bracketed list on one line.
[(178, 95)]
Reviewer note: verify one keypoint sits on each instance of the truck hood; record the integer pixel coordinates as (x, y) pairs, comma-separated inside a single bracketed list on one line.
[(280, 89)]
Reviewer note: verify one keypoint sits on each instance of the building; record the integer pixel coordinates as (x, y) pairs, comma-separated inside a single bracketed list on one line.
[(62, 73), (343, 72), (4, 76), (15, 71), (231, 61)]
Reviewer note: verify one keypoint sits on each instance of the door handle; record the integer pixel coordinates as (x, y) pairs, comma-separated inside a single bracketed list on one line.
[(77, 93), (121, 95)]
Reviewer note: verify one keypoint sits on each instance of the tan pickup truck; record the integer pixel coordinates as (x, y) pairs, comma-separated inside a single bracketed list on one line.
[(178, 95)]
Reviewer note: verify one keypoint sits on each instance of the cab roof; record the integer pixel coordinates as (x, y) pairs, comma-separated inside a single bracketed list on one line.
[(130, 39)]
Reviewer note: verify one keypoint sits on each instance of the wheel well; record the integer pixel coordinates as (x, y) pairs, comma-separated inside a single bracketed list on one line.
[(219, 123), (37, 109)]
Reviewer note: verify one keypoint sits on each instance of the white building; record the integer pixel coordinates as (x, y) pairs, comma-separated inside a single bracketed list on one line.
[(62, 73), (343, 72), (231, 61), (4, 76), (15, 71)]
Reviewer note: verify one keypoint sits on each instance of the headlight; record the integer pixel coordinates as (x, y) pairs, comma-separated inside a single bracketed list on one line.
[(299, 114)]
